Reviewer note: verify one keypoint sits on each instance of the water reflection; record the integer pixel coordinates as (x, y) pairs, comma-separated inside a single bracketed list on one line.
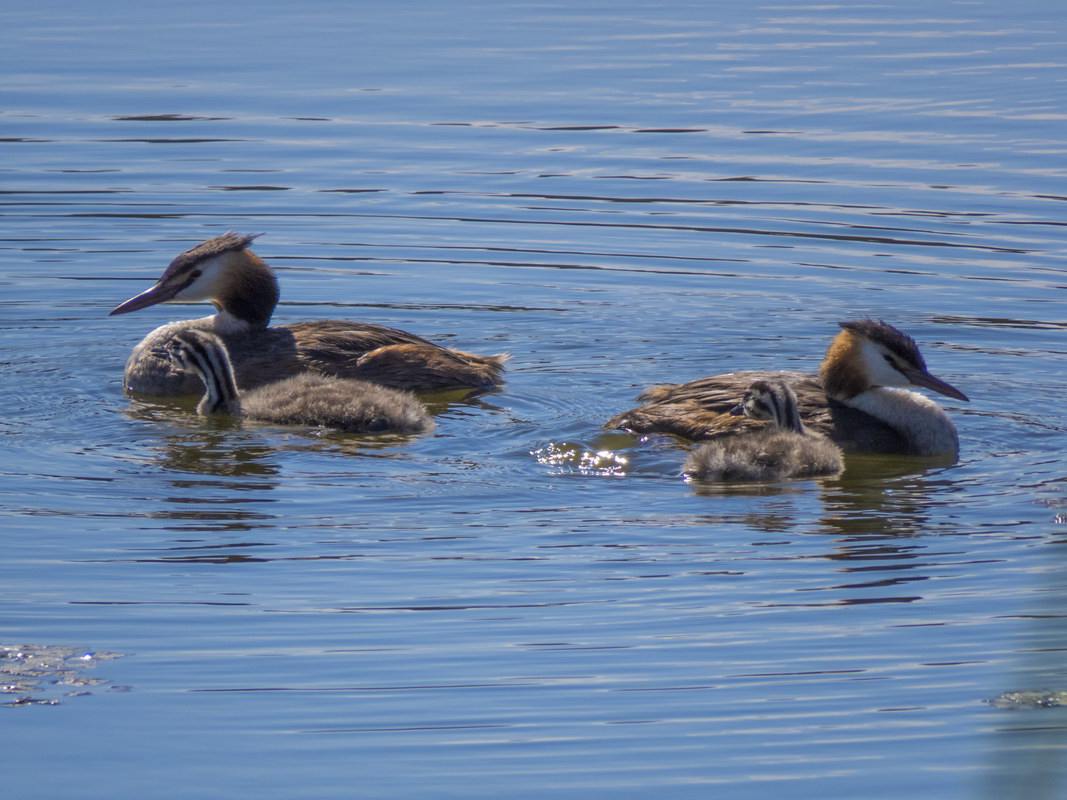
[(877, 514), (216, 453), (227, 446), (222, 469), (884, 496)]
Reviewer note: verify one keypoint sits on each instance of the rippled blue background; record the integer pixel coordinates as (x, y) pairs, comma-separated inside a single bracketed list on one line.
[(618, 195)]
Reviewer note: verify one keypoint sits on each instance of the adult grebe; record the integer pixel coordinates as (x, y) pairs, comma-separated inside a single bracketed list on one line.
[(244, 291), (848, 400), (784, 449), (348, 405)]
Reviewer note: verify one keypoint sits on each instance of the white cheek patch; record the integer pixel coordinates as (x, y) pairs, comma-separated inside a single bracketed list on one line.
[(203, 288), (879, 373)]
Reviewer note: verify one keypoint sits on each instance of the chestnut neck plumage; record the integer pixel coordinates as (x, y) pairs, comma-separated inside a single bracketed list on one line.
[(842, 371)]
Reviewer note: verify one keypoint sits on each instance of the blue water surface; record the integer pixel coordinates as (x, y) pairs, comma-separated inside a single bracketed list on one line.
[(522, 604)]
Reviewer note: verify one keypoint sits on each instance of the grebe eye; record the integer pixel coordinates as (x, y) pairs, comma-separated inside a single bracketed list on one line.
[(889, 360), (195, 274)]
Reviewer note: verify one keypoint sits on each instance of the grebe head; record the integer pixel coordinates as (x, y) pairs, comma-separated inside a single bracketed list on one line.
[(870, 353), (222, 270), (771, 400)]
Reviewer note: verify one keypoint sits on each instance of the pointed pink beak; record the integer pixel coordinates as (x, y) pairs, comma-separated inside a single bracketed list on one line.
[(149, 297), (927, 381)]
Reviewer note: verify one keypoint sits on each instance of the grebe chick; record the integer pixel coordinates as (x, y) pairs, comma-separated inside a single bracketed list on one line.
[(310, 399), (849, 400), (784, 449), (244, 291)]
